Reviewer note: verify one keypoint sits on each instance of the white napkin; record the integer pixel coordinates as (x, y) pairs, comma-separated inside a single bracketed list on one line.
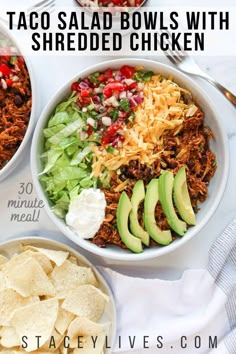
[(197, 308)]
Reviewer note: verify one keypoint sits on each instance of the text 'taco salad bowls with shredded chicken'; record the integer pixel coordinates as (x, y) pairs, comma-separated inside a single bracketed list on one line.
[(130, 159)]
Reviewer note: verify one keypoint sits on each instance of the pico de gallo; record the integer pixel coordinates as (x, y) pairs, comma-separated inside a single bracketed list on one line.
[(109, 99), (112, 3), (123, 3)]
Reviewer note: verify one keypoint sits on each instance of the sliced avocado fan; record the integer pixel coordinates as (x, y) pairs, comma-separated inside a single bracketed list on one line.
[(182, 198), (136, 199), (123, 210), (166, 182), (150, 202)]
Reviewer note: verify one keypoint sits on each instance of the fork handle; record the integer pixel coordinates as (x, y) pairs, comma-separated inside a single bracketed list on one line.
[(229, 95)]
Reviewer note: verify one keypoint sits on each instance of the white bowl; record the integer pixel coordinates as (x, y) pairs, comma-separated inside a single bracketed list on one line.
[(13, 246), (219, 146), (16, 158)]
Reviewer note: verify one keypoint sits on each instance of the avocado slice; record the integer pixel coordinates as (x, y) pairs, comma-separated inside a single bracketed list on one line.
[(166, 182), (150, 201), (123, 210), (135, 227), (182, 198)]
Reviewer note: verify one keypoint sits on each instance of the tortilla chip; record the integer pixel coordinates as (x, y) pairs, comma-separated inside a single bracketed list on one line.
[(11, 351), (3, 281), (69, 276), (73, 260), (62, 349), (31, 306), (82, 327), (35, 320), (19, 350), (3, 259), (88, 346), (10, 300), (53, 342), (86, 301), (9, 337), (27, 277), (58, 257), (64, 318), (42, 352), (43, 261)]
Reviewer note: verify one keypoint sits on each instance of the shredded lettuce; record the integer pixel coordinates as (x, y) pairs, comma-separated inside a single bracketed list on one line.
[(67, 131), (79, 156), (52, 157), (67, 161)]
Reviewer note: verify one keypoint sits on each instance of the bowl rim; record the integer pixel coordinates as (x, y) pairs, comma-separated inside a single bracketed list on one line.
[(85, 244), (63, 246), (12, 163)]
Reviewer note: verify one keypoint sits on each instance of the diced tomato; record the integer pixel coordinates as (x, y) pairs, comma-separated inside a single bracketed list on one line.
[(9, 82), (21, 62), (120, 2), (110, 134), (5, 70), (107, 92), (101, 78), (112, 87), (123, 115), (108, 74), (85, 93), (104, 2), (117, 2), (127, 71), (75, 86), (85, 100), (133, 85), (6, 58), (105, 139), (90, 129), (114, 127)]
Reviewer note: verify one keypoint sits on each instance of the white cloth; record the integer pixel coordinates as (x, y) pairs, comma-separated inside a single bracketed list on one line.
[(191, 311)]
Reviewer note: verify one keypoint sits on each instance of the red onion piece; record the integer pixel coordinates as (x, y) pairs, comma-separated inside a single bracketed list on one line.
[(132, 102), (96, 99), (83, 85), (138, 99)]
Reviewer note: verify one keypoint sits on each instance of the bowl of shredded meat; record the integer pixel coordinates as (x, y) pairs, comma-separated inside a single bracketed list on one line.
[(16, 104), (130, 159)]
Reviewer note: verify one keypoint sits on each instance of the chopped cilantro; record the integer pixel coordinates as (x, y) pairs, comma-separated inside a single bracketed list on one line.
[(93, 113), (143, 75), (125, 105), (114, 114), (94, 78)]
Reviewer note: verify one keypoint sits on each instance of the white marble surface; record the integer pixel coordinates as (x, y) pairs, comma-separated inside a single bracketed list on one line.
[(52, 72)]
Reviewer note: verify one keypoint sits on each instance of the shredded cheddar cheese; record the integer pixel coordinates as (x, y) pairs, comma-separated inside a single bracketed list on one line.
[(161, 111)]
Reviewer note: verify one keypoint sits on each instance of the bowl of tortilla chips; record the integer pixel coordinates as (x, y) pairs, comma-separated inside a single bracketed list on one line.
[(52, 300)]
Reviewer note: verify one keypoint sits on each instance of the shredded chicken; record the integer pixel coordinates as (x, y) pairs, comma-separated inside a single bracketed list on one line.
[(15, 109), (189, 148)]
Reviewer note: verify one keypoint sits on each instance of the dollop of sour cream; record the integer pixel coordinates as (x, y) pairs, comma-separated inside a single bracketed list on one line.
[(87, 212)]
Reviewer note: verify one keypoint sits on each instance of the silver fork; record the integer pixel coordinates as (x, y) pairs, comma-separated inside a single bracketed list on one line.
[(187, 64), (41, 6)]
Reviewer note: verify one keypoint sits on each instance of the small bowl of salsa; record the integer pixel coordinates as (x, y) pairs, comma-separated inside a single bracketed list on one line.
[(115, 6)]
